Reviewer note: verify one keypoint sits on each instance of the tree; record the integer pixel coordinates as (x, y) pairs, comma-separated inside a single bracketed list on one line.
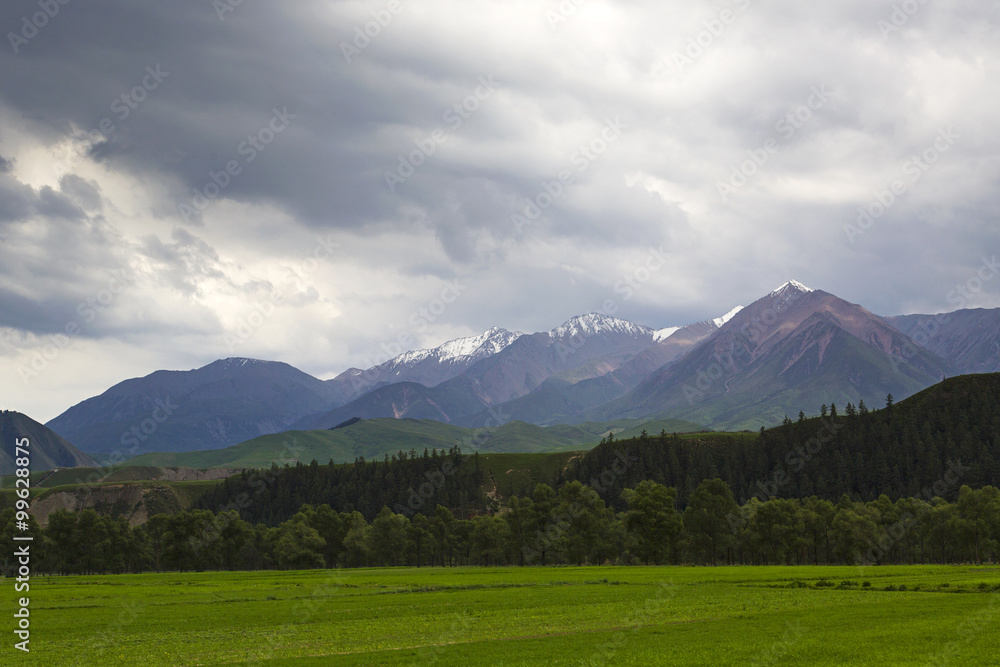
[(817, 517), (779, 526), (330, 527), (299, 546), (388, 538), (706, 520), (543, 531), (652, 523), (584, 522), (234, 534), (518, 518), (418, 535), (443, 529), (489, 535), (59, 537), (979, 519), (87, 533), (855, 534), (357, 540)]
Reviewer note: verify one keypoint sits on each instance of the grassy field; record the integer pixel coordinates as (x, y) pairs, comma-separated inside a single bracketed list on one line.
[(527, 616)]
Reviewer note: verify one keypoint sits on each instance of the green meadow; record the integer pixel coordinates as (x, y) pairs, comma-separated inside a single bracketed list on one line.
[(838, 615)]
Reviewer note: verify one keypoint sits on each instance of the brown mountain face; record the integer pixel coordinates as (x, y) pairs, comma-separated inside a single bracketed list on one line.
[(791, 350), (561, 398), (47, 449)]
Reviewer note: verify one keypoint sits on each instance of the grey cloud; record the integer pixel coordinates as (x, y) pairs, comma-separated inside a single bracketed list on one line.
[(87, 194), (183, 262), (655, 186)]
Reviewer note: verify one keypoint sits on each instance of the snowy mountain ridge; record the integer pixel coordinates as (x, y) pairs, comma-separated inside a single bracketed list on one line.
[(596, 323), (485, 344)]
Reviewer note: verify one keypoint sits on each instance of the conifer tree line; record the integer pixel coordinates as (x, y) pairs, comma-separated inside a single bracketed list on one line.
[(570, 526), (900, 450)]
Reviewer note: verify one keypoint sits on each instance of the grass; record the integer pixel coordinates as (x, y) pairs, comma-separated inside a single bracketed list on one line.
[(521, 616)]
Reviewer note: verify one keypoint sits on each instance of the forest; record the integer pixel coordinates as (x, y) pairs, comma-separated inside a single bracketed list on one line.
[(571, 526), (924, 447)]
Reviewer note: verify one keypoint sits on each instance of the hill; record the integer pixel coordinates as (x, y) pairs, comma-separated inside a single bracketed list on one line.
[(48, 449), (929, 445), (375, 438)]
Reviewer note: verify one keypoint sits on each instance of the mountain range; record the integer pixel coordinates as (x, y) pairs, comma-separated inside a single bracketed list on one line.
[(789, 351)]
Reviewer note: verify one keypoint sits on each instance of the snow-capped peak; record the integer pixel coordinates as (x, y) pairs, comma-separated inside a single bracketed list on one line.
[(792, 284), (719, 321), (487, 343), (663, 334), (596, 323)]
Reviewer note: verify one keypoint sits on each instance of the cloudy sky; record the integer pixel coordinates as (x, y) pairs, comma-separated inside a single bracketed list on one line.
[(315, 181)]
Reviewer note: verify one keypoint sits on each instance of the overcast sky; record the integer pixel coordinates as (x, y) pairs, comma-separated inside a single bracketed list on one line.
[(707, 151)]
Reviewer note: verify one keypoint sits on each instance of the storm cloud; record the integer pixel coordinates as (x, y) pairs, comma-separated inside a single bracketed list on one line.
[(181, 182)]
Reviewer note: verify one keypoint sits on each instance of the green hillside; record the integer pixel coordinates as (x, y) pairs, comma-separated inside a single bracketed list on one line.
[(374, 438), (927, 445), (370, 438)]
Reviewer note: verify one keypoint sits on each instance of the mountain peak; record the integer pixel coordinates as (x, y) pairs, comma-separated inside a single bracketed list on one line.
[(595, 323), (233, 363), (489, 342), (792, 285)]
